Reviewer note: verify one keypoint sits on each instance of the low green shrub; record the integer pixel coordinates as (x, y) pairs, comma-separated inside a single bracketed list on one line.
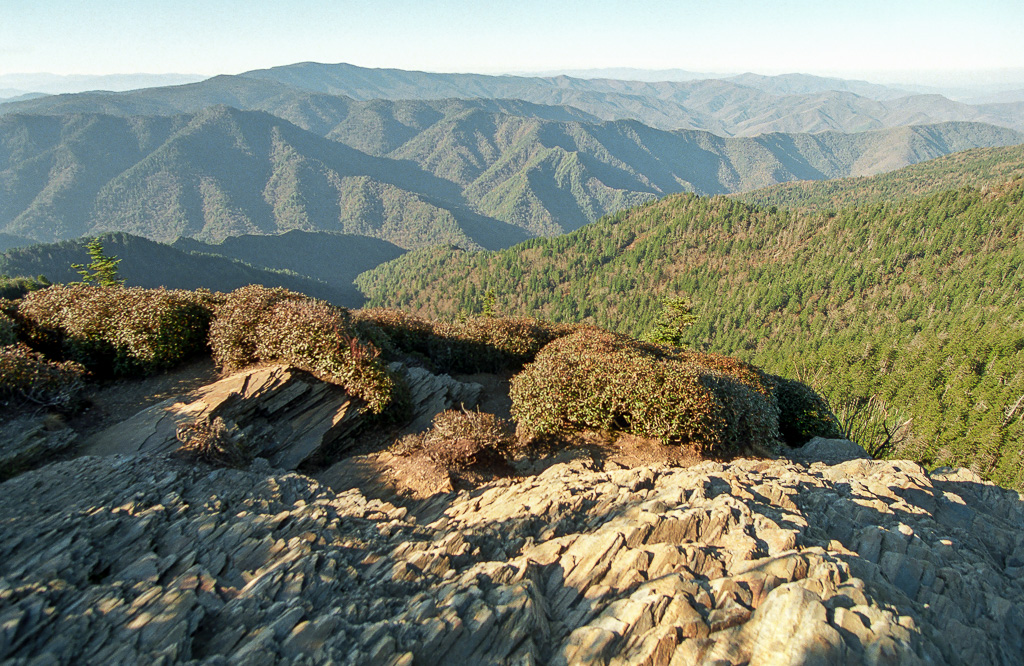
[(16, 287), (233, 331), (478, 344), (257, 324), (118, 330), (29, 377), (602, 380), (803, 414), (114, 330)]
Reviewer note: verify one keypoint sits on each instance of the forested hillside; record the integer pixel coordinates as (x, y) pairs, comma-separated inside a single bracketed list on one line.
[(980, 167), (215, 174), (908, 311)]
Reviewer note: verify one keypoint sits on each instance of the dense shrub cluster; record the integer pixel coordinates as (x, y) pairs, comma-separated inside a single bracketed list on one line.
[(117, 330), (803, 414), (478, 344), (16, 287), (602, 380), (7, 334), (28, 376), (257, 323), (461, 439)]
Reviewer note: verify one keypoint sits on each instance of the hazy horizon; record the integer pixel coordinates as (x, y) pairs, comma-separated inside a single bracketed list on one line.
[(926, 42), (950, 83)]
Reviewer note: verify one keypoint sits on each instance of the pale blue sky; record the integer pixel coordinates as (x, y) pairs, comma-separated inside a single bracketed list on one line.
[(865, 37)]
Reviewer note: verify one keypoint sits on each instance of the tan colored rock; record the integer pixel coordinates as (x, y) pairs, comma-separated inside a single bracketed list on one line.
[(145, 558)]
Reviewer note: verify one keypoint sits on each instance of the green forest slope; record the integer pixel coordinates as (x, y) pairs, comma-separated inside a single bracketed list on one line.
[(908, 314), (979, 167)]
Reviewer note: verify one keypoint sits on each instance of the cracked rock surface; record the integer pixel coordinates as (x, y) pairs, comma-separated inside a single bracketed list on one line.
[(147, 559)]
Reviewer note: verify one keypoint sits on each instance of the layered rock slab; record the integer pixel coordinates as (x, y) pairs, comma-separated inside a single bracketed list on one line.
[(284, 414), (149, 559)]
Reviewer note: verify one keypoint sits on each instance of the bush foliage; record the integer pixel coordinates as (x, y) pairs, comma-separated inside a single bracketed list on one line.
[(259, 324), (477, 344), (113, 330), (461, 439), (803, 414), (602, 380), (29, 377), (16, 287), (212, 442), (7, 333)]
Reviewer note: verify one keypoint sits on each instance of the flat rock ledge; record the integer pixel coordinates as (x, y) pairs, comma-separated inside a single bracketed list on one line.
[(147, 559)]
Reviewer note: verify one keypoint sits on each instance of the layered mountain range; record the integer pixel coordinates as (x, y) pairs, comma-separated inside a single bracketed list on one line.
[(745, 105), (418, 159), (467, 173)]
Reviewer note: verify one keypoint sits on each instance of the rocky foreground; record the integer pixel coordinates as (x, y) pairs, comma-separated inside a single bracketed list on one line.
[(149, 559)]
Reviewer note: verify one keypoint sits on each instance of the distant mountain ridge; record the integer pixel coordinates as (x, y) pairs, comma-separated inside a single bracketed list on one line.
[(144, 263), (415, 173), (746, 105)]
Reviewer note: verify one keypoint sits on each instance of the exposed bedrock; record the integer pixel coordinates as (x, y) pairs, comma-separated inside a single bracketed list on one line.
[(135, 559)]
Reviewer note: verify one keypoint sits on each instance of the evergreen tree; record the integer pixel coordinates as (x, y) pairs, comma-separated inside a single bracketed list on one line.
[(676, 316), (102, 270)]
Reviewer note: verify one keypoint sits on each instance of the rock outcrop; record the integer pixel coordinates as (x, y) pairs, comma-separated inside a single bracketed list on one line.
[(147, 559), (28, 441), (284, 414)]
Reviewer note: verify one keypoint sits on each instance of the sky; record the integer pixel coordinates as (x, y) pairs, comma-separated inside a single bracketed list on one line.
[(881, 40)]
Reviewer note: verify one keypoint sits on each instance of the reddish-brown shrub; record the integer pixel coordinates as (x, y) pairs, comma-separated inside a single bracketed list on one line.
[(260, 324), (211, 442), (459, 440), (478, 344), (114, 329), (28, 376), (602, 380)]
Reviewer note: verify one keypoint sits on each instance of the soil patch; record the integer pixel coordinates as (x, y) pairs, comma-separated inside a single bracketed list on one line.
[(114, 401)]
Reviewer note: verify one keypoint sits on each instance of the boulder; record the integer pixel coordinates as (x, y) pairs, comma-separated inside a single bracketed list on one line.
[(30, 440), (284, 414), (829, 451)]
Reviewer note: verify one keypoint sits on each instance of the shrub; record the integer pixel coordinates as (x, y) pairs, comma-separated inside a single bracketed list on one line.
[(602, 380), (803, 414), (211, 442), (233, 331), (28, 376), (479, 344), (7, 334), (394, 331), (463, 439), (116, 330), (16, 287), (259, 324)]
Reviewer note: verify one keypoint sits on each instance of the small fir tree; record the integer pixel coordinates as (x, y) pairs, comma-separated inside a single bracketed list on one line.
[(676, 316), (490, 304), (102, 270)]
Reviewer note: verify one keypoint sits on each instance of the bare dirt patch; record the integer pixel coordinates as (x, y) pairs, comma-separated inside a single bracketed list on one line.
[(111, 402)]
